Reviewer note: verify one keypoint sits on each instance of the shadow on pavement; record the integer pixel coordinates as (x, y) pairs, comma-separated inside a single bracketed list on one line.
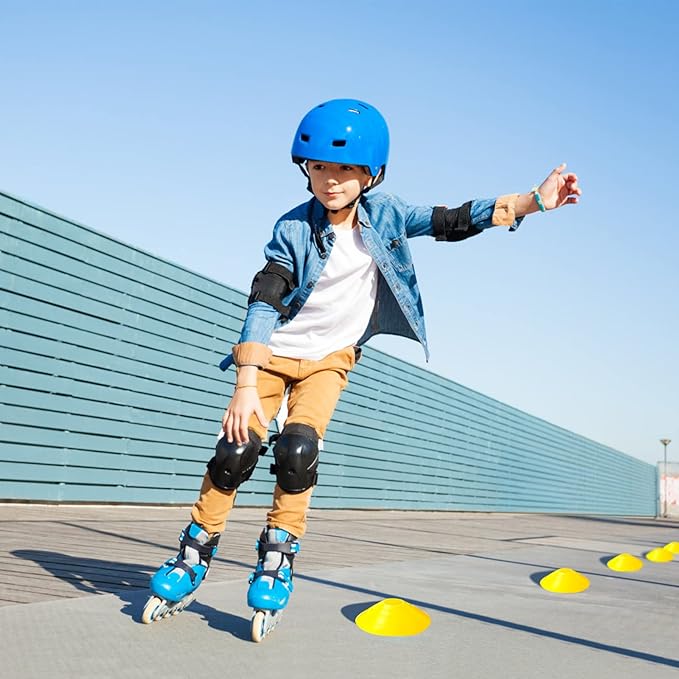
[(220, 620), (632, 521), (171, 550), (536, 577), (98, 577), (93, 576), (129, 583), (610, 574), (352, 610)]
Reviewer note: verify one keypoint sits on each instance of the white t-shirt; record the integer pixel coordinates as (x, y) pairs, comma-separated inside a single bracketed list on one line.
[(339, 307)]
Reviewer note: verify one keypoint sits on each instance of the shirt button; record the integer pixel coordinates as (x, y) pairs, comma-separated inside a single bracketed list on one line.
[(309, 285)]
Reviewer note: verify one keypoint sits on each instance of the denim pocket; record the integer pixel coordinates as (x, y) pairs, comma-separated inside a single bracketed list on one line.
[(399, 254)]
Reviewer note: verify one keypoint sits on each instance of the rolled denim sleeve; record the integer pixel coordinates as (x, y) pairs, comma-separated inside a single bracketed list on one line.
[(481, 212), (495, 212)]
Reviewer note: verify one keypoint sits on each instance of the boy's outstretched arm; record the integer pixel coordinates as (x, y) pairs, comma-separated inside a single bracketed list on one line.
[(558, 189)]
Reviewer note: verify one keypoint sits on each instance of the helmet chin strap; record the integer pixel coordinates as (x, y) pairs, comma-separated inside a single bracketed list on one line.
[(348, 206), (351, 204)]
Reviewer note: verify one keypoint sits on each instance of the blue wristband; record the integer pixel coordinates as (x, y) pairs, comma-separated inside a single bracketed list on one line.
[(538, 199)]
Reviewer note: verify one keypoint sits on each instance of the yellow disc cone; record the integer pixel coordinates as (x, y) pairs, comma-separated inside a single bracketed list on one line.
[(660, 555), (625, 562), (672, 547), (564, 581), (393, 618)]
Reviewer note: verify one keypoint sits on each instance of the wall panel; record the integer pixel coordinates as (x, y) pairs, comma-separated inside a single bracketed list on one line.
[(110, 392)]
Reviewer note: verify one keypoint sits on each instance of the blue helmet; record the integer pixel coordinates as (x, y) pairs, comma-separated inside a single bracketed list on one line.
[(346, 131)]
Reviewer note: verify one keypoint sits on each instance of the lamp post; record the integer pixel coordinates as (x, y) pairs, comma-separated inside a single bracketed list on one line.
[(665, 443)]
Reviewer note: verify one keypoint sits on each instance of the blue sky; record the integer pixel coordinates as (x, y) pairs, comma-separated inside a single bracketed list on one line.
[(168, 125)]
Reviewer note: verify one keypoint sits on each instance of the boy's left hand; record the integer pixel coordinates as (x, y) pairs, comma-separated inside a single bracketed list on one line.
[(560, 188)]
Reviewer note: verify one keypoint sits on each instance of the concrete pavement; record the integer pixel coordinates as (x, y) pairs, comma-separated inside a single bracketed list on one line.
[(73, 578)]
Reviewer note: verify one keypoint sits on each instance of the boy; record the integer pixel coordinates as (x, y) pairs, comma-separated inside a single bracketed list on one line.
[(338, 272)]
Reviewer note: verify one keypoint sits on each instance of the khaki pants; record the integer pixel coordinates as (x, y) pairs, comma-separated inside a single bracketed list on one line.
[(315, 387)]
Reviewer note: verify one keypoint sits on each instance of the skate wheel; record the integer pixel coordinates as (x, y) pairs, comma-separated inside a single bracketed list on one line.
[(151, 609), (188, 599), (258, 629)]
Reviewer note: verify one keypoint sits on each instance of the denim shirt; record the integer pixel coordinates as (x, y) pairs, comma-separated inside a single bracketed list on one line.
[(303, 239)]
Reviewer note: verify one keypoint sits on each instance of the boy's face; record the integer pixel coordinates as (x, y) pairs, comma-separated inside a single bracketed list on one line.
[(336, 185)]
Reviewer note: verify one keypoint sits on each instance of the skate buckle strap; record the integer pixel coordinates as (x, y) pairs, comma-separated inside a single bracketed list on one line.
[(283, 547), (187, 569), (277, 575), (205, 550), (274, 574)]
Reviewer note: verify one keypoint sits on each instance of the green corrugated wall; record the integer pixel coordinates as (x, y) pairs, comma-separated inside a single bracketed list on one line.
[(110, 392)]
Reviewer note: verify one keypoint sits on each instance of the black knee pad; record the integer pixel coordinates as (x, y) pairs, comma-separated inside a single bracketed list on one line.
[(232, 463), (296, 455)]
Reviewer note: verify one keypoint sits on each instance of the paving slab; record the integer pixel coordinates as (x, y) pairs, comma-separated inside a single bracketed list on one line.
[(82, 572)]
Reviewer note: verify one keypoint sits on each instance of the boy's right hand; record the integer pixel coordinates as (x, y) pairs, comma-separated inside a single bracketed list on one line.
[(244, 403)]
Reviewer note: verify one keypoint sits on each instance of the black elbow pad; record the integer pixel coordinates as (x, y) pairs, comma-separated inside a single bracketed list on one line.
[(453, 224), (271, 285)]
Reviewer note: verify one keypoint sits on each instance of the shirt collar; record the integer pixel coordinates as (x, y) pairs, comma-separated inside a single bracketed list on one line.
[(319, 218)]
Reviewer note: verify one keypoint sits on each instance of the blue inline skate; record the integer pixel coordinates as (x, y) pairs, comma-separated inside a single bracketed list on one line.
[(174, 583), (271, 583)]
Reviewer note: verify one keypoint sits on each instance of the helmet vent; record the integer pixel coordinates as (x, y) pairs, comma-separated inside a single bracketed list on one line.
[(339, 142), (304, 137)]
